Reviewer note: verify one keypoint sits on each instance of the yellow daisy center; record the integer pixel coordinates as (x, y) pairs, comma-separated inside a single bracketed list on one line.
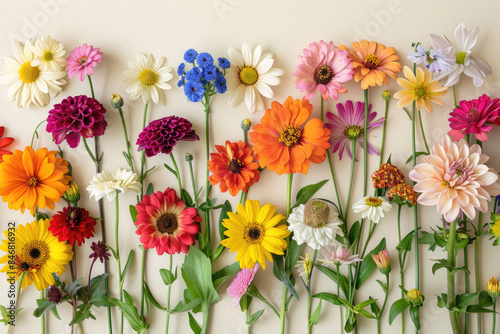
[(353, 132), (248, 75), (35, 253), (373, 201), (461, 57), (167, 223), (290, 136), (235, 166), (254, 233), (323, 75), (28, 73), (32, 181), (372, 61), (48, 56), (148, 77)]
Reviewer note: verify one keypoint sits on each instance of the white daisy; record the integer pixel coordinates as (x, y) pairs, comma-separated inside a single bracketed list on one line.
[(108, 184), (148, 78), (250, 77), (49, 54), (471, 66), (372, 208), (28, 83), (317, 224)]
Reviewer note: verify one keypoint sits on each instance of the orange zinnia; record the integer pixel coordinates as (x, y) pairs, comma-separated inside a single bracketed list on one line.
[(373, 62), (30, 179), (280, 142), (234, 167)]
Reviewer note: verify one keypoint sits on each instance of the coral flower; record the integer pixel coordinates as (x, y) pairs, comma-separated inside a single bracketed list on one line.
[(476, 116), (165, 223), (240, 284), (420, 88), (72, 225), (282, 145), (82, 61), (455, 179), (373, 62), (30, 179), (4, 142), (382, 261), (323, 67), (233, 167)]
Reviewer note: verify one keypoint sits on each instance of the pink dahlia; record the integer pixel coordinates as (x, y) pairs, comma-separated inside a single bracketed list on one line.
[(161, 135), (75, 117), (323, 67), (165, 223), (240, 284), (455, 179), (475, 116), (349, 126), (82, 60)]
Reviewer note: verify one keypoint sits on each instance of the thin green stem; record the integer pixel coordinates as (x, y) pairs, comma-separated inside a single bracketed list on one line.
[(143, 154), (117, 250), (177, 174), (479, 233), (351, 177), (455, 97), (415, 207), (283, 308), (401, 268), (143, 269), (42, 318), (309, 298), (322, 107), (207, 148), (365, 145), (285, 290), (127, 142), (370, 233), (337, 265), (423, 132), (19, 285), (451, 261), (88, 150), (35, 133), (494, 314), (247, 317), (91, 86), (379, 317), (289, 194), (467, 283), (193, 182), (168, 297), (383, 132)]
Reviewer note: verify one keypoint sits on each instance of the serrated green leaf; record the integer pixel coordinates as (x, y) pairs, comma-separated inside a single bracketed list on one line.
[(304, 194), (253, 318), (396, 308), (368, 265)]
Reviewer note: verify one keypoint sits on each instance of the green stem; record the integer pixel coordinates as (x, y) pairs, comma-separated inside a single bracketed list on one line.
[(117, 250), (42, 318), (88, 150), (283, 308), (338, 295), (467, 283), (479, 233), (91, 86), (423, 132), (143, 269), (285, 290), (35, 133), (247, 317), (365, 146), (494, 316), (401, 268), (177, 174), (383, 132), (351, 176), (127, 142), (168, 297), (207, 148), (383, 305), (143, 155), (455, 323), (455, 97), (193, 182), (19, 285), (206, 316), (309, 299), (415, 207), (289, 194)]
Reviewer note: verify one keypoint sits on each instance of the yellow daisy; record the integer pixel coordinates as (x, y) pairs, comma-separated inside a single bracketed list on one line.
[(252, 232), (420, 88), (37, 253)]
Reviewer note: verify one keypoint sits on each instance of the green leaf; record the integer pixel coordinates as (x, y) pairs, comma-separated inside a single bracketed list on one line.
[(441, 263), (170, 169), (193, 324), (417, 154), (465, 299), (427, 239), (344, 285), (382, 285), (315, 316), (187, 198), (442, 301), (364, 304), (365, 314), (279, 273), (149, 297), (405, 244), (167, 276), (55, 313), (133, 212), (440, 241), (146, 173), (415, 316), (216, 253), (180, 307), (484, 300), (354, 232), (463, 268), (253, 318), (96, 282), (43, 306), (127, 264), (100, 299), (127, 158), (396, 308), (81, 315), (112, 251), (226, 207), (304, 194), (329, 297), (245, 302), (374, 307), (292, 255), (150, 189), (368, 265), (222, 275), (478, 309), (130, 313)]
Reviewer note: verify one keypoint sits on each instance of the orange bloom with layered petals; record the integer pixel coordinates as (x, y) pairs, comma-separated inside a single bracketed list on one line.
[(30, 179), (283, 145), (372, 63)]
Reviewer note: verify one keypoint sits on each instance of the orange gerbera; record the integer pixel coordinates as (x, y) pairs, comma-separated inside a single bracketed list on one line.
[(234, 167), (280, 142), (373, 62), (30, 179)]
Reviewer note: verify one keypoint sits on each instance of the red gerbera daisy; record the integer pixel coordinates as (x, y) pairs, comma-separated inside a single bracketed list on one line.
[(3, 143), (165, 223), (72, 225), (234, 167)]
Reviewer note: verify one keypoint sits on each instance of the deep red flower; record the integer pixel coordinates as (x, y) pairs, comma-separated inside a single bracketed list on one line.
[(99, 252), (72, 224), (3, 143)]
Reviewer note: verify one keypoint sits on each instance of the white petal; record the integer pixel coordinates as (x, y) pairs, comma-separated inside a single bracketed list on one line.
[(247, 54), (235, 58), (256, 56)]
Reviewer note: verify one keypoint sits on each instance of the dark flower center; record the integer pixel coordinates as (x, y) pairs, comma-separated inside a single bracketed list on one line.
[(35, 253), (371, 61), (323, 75), (167, 223), (32, 181), (473, 116), (234, 166), (290, 136), (24, 266), (254, 233)]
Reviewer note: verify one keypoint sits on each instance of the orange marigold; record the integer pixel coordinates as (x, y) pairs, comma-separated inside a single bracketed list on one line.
[(406, 193), (373, 62), (283, 145), (30, 179), (233, 167), (387, 176)]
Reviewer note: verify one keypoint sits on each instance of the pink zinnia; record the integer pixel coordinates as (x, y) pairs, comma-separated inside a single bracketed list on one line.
[(323, 67), (82, 60), (349, 125), (240, 284), (332, 257), (455, 179), (476, 116)]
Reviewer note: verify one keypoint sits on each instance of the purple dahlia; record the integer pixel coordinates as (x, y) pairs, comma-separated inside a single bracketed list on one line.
[(74, 117), (161, 135)]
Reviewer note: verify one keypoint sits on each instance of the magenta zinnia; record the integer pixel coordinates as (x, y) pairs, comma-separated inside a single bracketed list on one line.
[(475, 116), (82, 61), (161, 135), (455, 179), (75, 117), (165, 223), (349, 126), (323, 67)]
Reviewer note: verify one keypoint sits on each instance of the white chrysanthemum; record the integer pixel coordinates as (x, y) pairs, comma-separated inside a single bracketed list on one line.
[(317, 224), (250, 77), (107, 184), (148, 78), (28, 83), (372, 208), (49, 54)]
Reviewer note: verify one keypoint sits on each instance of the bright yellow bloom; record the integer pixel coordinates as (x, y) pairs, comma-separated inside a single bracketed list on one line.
[(420, 88), (415, 297), (252, 232), (495, 226), (493, 288)]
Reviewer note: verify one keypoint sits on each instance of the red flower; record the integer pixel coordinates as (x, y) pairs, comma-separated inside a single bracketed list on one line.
[(72, 224), (4, 142), (165, 223)]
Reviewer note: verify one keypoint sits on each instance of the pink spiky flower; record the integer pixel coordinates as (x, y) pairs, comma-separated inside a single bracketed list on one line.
[(82, 60), (240, 284)]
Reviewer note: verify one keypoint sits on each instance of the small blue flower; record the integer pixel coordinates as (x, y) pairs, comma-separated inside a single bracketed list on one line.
[(209, 72), (224, 63), (193, 74), (194, 91), (181, 81), (204, 59), (190, 55), (180, 69), (220, 83)]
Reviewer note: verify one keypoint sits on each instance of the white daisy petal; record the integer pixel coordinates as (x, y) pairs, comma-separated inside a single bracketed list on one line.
[(237, 96), (256, 56), (247, 54), (235, 58)]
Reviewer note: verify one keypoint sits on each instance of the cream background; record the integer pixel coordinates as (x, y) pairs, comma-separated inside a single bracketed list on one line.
[(122, 29)]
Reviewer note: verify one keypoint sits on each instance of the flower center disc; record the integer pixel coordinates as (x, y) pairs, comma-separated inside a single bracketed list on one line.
[(253, 233), (32, 181), (461, 57), (421, 92), (473, 116), (28, 73), (82, 60), (148, 77), (290, 136), (234, 166), (373, 201), (248, 76), (167, 223), (35, 253), (353, 132), (371, 61), (323, 75), (316, 214), (48, 56)]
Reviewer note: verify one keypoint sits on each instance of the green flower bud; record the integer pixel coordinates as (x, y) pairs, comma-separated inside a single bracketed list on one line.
[(415, 297), (246, 124), (72, 195), (188, 157), (386, 95), (116, 101)]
